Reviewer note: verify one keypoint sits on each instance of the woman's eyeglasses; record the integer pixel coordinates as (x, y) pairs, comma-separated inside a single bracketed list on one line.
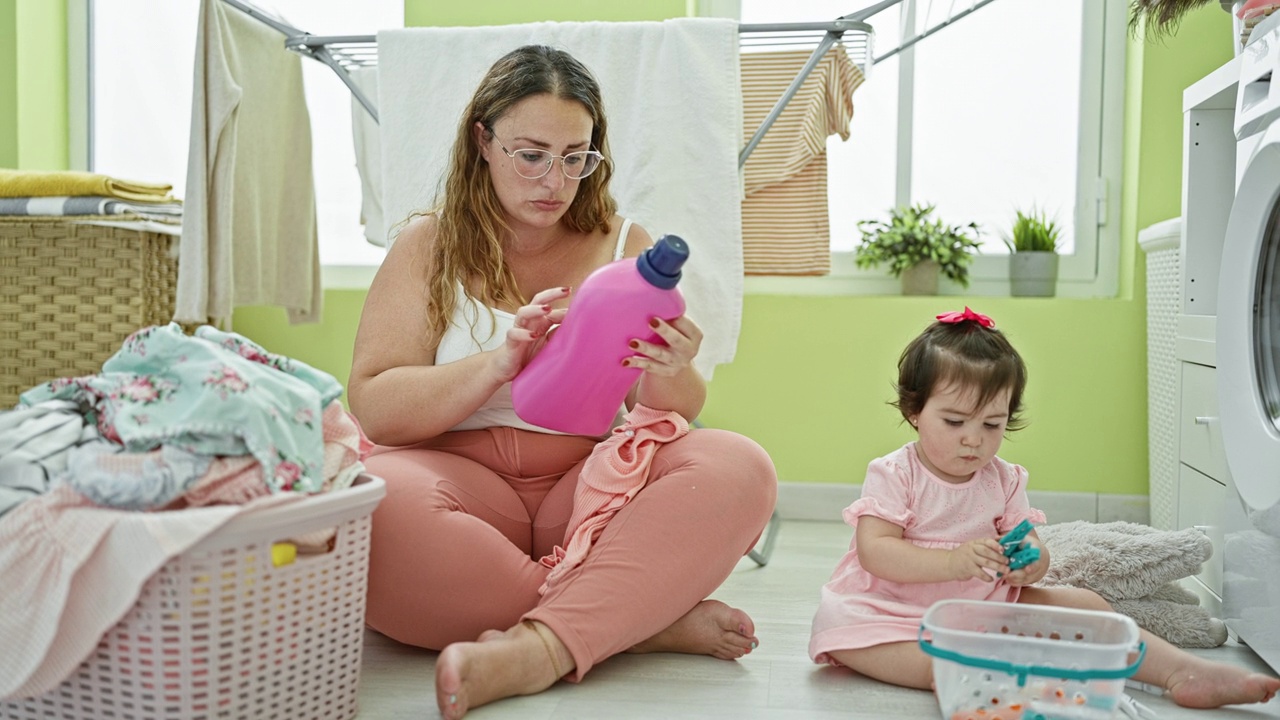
[(532, 163)]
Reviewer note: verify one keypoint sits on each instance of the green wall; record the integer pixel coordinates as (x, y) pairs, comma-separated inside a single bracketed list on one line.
[(8, 83), (813, 373), (33, 85)]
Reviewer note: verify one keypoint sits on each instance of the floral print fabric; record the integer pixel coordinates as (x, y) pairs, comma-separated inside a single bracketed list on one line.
[(214, 393)]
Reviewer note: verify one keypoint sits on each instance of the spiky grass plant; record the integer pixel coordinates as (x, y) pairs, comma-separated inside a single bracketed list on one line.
[(1033, 232)]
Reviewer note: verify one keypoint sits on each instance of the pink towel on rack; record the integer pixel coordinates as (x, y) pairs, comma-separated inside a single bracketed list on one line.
[(616, 470)]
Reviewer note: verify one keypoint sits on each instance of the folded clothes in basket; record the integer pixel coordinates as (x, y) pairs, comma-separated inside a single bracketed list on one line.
[(32, 183), (64, 205)]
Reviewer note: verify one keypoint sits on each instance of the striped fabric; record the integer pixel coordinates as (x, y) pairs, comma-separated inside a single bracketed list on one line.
[(785, 230), (89, 205)]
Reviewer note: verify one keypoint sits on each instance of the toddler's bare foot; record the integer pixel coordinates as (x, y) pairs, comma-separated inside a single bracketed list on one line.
[(1211, 685), (500, 665), (710, 628)]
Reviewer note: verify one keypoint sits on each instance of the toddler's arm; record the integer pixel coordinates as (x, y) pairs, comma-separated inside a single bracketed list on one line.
[(885, 554)]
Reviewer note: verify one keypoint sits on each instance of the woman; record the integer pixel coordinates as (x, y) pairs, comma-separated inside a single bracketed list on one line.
[(476, 497)]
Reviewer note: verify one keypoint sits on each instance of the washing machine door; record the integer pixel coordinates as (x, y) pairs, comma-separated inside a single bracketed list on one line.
[(1248, 341)]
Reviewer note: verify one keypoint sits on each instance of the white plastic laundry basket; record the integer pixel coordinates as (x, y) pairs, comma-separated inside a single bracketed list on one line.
[(1028, 662), (220, 632)]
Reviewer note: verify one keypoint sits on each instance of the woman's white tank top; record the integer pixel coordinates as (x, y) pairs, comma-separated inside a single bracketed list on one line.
[(473, 329)]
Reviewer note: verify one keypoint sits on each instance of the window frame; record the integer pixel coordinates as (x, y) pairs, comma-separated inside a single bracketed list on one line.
[(1093, 269)]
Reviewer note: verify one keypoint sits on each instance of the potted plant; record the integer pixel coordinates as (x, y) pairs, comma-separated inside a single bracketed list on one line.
[(918, 248), (1033, 255)]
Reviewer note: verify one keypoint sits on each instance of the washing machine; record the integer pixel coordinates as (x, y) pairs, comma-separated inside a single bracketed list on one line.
[(1248, 359)]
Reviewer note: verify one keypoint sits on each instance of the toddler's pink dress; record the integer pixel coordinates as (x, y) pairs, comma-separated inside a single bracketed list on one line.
[(858, 609)]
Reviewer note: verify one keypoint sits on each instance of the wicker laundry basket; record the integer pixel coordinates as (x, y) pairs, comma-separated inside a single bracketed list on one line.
[(71, 293)]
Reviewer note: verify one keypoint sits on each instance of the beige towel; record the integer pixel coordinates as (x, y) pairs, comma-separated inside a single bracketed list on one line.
[(785, 226), (29, 183), (249, 229)]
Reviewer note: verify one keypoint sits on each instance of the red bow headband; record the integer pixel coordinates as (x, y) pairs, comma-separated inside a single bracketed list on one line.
[(959, 317)]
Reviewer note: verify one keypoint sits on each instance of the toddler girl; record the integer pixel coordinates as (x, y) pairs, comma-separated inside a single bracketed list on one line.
[(927, 524)]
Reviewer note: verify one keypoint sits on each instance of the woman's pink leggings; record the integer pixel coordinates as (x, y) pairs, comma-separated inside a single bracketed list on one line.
[(467, 516)]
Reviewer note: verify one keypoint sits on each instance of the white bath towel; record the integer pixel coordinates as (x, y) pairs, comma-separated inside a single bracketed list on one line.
[(364, 130), (249, 224), (673, 96)]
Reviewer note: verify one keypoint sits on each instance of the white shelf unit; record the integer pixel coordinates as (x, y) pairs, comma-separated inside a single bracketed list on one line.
[(1208, 190)]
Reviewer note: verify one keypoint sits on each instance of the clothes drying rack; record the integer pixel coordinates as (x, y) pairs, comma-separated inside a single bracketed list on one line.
[(344, 52)]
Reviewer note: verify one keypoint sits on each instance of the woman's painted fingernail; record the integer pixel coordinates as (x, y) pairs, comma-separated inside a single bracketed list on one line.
[(546, 308), (742, 629), (633, 345), (653, 323), (753, 644), (453, 699), (626, 362), (566, 288)]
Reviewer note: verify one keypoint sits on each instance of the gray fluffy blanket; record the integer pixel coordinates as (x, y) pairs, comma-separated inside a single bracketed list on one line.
[(1136, 568)]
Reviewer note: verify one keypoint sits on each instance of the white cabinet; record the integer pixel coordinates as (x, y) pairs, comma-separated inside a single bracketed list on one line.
[(1208, 189)]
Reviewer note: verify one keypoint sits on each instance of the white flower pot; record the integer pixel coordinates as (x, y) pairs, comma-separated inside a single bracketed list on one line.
[(1033, 274)]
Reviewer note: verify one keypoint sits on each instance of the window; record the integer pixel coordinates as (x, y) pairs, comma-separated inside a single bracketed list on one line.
[(1015, 105), (141, 68)]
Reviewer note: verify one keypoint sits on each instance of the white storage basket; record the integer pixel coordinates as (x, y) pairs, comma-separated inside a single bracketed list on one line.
[(1028, 662), (220, 632)]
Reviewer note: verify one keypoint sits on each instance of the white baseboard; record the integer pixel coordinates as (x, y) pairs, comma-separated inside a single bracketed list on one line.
[(825, 501)]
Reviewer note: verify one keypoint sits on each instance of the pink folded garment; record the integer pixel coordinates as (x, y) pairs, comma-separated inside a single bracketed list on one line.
[(615, 471)]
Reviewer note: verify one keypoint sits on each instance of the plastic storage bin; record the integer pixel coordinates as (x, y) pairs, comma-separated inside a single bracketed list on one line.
[(220, 632), (1028, 662)]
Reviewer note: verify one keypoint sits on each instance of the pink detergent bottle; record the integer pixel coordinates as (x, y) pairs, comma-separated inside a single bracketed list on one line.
[(577, 383)]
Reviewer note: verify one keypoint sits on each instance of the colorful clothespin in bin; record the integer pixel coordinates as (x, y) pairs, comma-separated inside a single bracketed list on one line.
[(1013, 544)]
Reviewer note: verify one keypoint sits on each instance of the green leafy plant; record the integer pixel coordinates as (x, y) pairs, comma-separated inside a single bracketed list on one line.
[(1033, 232), (913, 236)]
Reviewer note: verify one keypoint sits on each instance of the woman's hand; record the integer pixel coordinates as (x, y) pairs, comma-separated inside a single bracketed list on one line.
[(528, 333), (977, 559), (683, 338)]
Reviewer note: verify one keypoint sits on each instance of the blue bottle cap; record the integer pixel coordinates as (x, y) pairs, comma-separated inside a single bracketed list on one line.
[(661, 263)]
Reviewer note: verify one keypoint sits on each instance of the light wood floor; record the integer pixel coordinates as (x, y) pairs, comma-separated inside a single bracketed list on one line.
[(775, 682)]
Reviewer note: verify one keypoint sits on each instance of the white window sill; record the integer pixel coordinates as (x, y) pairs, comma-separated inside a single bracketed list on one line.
[(988, 277)]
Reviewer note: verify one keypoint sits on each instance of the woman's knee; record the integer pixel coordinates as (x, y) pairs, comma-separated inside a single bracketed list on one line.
[(742, 465)]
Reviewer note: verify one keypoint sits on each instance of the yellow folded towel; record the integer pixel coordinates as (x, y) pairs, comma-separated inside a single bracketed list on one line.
[(28, 183)]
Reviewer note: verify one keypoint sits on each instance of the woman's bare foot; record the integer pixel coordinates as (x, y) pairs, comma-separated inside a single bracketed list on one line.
[(710, 628), (1210, 685), (499, 665)]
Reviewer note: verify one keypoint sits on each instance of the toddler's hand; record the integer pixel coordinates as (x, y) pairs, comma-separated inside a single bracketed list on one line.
[(977, 559), (1029, 574)]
